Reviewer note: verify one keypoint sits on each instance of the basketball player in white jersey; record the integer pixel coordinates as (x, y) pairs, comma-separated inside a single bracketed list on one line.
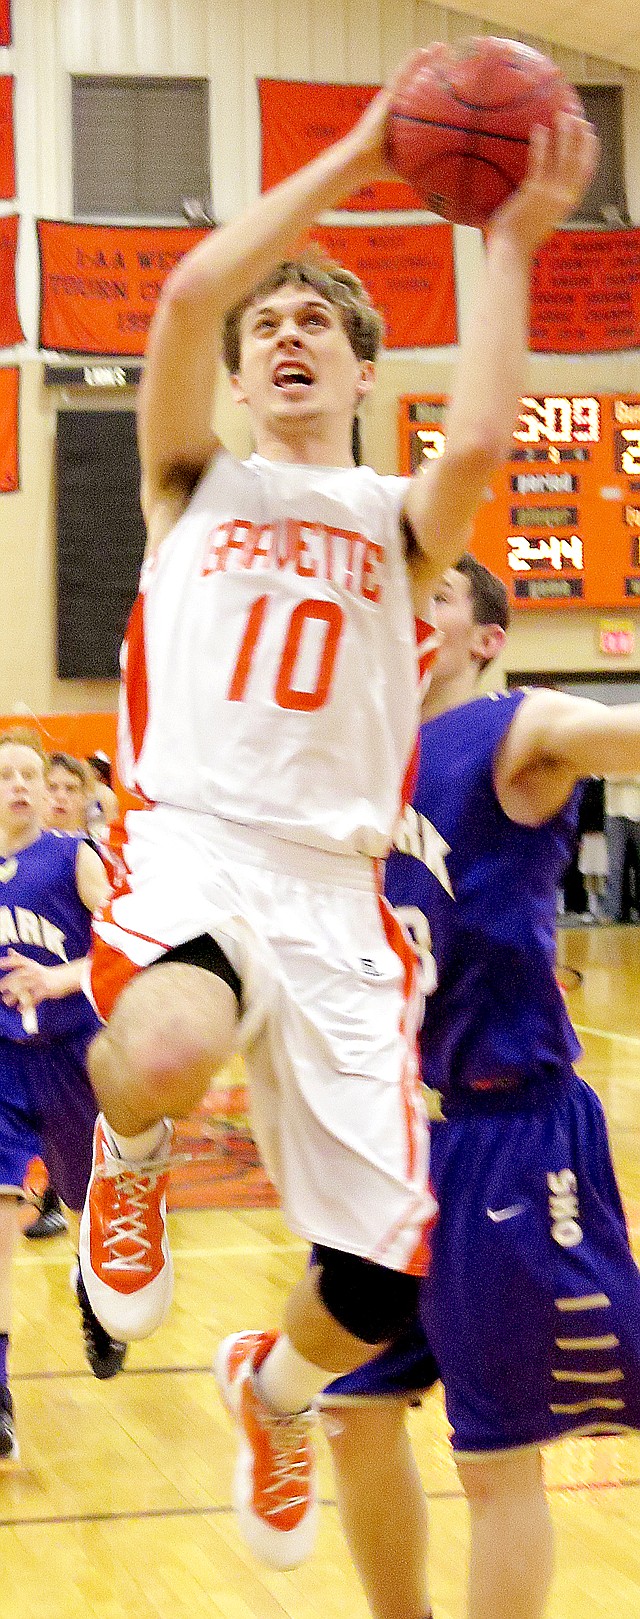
[(269, 708)]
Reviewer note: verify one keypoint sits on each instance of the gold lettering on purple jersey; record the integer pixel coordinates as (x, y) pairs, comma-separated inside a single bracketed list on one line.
[(8, 929), (415, 835), (28, 925)]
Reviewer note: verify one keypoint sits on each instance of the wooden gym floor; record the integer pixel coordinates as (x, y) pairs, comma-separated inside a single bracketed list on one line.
[(120, 1506)]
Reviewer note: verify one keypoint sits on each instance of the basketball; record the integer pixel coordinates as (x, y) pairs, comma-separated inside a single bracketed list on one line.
[(459, 126)]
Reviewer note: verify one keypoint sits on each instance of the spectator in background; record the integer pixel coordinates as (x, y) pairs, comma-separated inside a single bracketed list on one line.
[(622, 828), (103, 805), (51, 883), (593, 860), (69, 787), (68, 790)]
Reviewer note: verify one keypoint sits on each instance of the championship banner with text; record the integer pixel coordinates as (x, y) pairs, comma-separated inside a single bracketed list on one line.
[(299, 120), (10, 329), (9, 394), (408, 271), (5, 22), (585, 296), (100, 283), (7, 155)]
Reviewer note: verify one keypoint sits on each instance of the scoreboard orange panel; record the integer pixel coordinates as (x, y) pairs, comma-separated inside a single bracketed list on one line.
[(560, 522)]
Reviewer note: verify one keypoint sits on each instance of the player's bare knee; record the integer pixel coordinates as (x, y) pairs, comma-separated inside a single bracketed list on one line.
[(170, 1024), (512, 1474), (9, 1202), (356, 1432)]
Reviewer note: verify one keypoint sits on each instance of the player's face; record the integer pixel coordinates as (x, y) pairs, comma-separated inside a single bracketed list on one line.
[(452, 614), (67, 801), (23, 790), (296, 361)]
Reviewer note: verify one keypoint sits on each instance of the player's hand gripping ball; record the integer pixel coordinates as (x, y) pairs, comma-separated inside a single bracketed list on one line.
[(459, 125)]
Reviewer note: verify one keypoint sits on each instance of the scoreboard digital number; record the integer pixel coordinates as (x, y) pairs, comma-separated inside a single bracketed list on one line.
[(560, 522)]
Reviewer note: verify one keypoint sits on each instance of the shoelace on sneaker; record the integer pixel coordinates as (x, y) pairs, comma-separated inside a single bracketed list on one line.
[(288, 1441), (133, 1186)]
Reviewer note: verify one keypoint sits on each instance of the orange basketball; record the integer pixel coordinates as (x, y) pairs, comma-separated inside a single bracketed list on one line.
[(459, 125)]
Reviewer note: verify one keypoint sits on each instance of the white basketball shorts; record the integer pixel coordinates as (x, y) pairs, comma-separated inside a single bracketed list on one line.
[(330, 1015)]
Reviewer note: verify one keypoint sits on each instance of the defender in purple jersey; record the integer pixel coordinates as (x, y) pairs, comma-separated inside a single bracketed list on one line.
[(50, 882), (531, 1310)]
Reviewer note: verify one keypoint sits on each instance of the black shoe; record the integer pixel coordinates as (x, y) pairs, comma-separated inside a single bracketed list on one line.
[(104, 1354), (51, 1221), (8, 1443)]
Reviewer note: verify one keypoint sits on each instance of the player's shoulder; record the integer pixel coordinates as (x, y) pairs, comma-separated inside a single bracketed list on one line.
[(389, 484), (465, 717)]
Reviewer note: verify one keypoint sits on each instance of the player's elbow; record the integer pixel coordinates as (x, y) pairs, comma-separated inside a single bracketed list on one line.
[(473, 461)]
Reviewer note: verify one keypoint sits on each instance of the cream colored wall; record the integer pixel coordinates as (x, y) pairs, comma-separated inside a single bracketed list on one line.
[(231, 42)]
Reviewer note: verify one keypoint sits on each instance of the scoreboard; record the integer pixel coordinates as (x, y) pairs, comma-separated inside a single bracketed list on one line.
[(560, 521)]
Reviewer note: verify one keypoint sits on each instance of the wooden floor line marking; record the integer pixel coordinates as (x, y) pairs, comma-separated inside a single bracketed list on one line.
[(68, 1519), (127, 1371)]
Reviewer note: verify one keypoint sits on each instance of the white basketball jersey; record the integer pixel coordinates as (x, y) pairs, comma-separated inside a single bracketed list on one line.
[(269, 667)]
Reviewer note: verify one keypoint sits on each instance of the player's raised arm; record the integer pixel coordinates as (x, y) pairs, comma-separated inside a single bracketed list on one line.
[(176, 396), (553, 741), (440, 504)]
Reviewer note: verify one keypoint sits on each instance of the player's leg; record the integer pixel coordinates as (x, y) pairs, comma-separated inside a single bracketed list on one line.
[(19, 1144), (344, 1308), (8, 1234), (382, 1504), (67, 1114), (171, 1028), (380, 1496), (268, 1383), (332, 1080), (511, 1560)]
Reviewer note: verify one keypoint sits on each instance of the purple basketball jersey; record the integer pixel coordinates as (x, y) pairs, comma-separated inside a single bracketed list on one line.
[(496, 1024), (42, 916)]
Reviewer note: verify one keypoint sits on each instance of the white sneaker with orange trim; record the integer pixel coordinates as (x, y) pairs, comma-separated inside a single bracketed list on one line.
[(124, 1251), (274, 1486)]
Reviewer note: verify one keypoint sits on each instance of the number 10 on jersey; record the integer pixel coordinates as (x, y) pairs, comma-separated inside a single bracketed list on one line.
[(330, 620)]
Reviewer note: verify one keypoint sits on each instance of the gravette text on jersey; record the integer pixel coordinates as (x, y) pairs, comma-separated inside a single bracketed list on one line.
[(344, 557), (20, 926)]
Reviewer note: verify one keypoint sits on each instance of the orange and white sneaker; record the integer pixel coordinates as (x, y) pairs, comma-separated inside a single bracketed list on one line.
[(274, 1485), (124, 1251)]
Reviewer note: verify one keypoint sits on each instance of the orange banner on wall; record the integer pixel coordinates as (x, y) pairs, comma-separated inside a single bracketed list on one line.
[(9, 397), (298, 120), (100, 283), (586, 293), (408, 270), (7, 157), (10, 328), (5, 22)]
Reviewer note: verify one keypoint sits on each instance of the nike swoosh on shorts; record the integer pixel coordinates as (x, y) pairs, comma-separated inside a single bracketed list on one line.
[(505, 1214)]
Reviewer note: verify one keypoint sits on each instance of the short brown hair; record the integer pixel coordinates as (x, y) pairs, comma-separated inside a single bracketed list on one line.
[(73, 766), (489, 599), (23, 737), (488, 594), (362, 323)]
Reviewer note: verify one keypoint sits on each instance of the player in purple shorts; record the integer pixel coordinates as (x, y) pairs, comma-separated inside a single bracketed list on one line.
[(531, 1310), (50, 883)]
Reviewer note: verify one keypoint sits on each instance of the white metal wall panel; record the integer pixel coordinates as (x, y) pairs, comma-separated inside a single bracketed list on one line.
[(293, 44), (364, 40)]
